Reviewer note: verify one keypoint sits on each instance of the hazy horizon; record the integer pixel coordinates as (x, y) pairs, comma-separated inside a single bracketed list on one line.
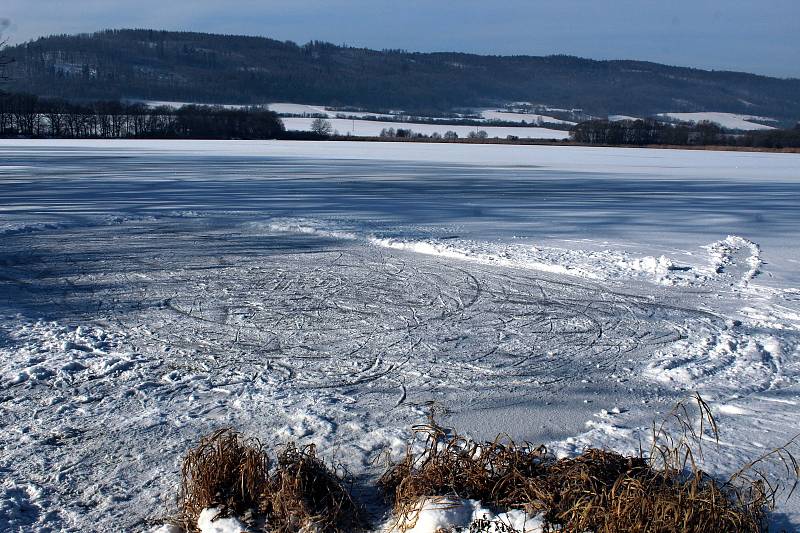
[(737, 35)]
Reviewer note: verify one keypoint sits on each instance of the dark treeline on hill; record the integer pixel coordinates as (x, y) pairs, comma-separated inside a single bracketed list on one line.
[(197, 67), (27, 115), (652, 132)]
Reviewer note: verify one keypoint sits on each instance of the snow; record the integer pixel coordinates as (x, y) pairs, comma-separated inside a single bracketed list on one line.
[(303, 109), (531, 118), (167, 528), (281, 108), (618, 118), (176, 105), (209, 521), (152, 291), (726, 120), (437, 514), (372, 128), (299, 109)]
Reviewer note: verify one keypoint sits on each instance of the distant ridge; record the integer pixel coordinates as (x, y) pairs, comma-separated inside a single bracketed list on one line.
[(200, 67)]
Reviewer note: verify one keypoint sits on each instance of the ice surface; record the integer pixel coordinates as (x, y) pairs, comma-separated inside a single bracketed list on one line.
[(153, 291)]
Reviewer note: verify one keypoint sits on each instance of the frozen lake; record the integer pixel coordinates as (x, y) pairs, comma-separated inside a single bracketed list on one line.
[(329, 292), (664, 199)]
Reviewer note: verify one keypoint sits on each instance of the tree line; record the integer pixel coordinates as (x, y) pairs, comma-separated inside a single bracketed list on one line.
[(654, 132), (27, 115)]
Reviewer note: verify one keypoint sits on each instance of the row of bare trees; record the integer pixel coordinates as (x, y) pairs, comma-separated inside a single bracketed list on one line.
[(654, 132), (27, 115)]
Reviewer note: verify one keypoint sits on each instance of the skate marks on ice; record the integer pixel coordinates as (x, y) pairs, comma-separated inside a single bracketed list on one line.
[(121, 343), (308, 312)]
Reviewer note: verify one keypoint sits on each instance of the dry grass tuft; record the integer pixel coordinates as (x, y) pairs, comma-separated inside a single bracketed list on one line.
[(307, 495), (232, 473), (451, 465), (661, 491), (225, 470)]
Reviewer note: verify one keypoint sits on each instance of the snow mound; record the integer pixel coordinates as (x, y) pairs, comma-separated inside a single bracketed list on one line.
[(210, 522), (448, 514), (733, 258), (736, 256), (605, 264)]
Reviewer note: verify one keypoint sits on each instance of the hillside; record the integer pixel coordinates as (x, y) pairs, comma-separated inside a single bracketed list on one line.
[(158, 65)]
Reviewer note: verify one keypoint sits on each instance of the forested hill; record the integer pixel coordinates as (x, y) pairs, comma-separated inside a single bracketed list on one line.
[(179, 66)]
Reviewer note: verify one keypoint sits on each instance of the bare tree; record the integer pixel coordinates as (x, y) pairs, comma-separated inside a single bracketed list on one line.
[(320, 126)]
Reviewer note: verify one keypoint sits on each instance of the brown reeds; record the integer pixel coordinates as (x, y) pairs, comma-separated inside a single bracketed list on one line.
[(662, 490), (233, 474), (226, 471), (307, 495)]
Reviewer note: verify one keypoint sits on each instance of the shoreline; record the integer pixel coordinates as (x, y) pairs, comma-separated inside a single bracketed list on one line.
[(497, 141), (552, 142)]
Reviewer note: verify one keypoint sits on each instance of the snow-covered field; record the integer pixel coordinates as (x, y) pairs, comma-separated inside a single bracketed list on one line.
[(372, 128), (304, 109), (151, 291), (618, 118), (353, 123), (726, 120), (530, 118)]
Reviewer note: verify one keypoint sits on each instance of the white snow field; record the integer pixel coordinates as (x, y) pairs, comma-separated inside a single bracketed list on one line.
[(324, 292), (530, 118), (726, 120), (618, 118), (372, 128)]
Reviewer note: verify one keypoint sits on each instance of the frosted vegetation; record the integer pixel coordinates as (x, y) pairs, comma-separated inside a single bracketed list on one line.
[(328, 293)]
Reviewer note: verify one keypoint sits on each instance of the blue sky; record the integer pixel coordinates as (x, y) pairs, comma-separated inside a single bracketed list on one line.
[(753, 36)]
